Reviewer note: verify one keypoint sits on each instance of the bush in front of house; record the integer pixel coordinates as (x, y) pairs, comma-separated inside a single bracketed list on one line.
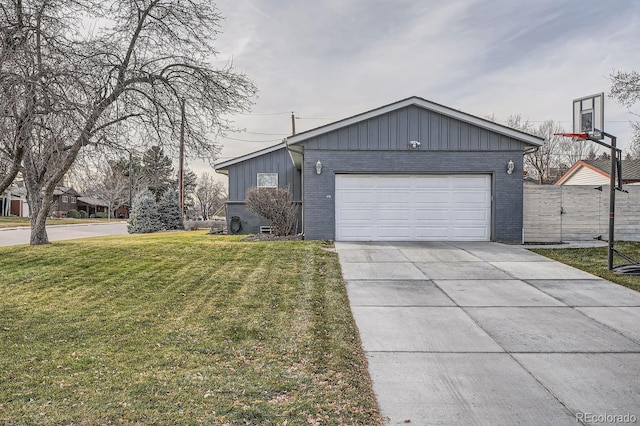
[(144, 216), (169, 211), (277, 206), (101, 215), (83, 214), (73, 214)]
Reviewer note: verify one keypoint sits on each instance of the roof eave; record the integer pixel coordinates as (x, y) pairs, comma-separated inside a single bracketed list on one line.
[(223, 166)]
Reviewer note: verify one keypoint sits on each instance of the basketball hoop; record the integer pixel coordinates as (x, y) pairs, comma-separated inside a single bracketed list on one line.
[(584, 136)]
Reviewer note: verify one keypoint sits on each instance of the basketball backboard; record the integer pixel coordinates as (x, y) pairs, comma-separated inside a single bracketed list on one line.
[(588, 114)]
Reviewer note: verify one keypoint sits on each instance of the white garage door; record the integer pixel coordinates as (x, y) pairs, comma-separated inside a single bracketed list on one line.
[(413, 207)]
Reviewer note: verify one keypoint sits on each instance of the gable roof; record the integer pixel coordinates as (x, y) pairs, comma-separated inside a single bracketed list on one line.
[(526, 138), (223, 166), (423, 103), (630, 169)]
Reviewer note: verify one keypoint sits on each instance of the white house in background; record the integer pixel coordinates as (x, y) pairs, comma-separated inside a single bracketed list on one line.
[(13, 202), (598, 172)]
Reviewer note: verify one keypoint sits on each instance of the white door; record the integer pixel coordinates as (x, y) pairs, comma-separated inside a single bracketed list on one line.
[(413, 207)]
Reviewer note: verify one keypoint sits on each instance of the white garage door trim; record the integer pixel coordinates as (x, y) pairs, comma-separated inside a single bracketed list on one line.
[(380, 207)]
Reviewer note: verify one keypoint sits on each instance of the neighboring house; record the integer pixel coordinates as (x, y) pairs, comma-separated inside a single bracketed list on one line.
[(64, 199), (92, 205), (598, 172), (14, 202), (412, 170)]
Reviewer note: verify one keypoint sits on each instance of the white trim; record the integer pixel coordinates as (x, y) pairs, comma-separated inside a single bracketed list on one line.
[(441, 109), (271, 174), (221, 167)]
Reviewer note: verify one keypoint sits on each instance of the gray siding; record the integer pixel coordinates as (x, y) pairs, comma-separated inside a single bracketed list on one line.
[(250, 221), (319, 203), (394, 130), (244, 175)]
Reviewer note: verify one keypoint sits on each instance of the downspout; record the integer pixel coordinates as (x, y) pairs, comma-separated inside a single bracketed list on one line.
[(301, 152), (528, 151)]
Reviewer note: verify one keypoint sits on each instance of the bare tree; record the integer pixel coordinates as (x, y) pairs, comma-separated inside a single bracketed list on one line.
[(548, 156), (111, 186), (626, 90), (633, 150), (626, 87), (210, 195), (574, 150), (65, 88)]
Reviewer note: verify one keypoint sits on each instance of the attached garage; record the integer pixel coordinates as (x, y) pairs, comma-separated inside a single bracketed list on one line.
[(421, 207), (413, 170)]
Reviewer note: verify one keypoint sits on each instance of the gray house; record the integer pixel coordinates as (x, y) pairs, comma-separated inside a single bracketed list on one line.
[(413, 170)]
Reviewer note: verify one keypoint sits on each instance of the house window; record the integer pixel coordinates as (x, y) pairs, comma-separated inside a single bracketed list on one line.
[(73, 200), (267, 180), (65, 199)]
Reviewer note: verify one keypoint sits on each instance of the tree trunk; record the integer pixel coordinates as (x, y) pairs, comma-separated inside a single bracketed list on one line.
[(39, 204)]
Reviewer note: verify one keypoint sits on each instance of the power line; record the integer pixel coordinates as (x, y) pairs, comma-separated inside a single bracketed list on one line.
[(248, 140), (264, 134), (265, 113)]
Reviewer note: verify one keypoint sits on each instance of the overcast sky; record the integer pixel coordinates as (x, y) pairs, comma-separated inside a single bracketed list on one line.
[(328, 60)]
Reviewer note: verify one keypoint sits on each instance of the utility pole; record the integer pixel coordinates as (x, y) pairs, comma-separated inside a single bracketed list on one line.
[(130, 184), (181, 167), (293, 123)]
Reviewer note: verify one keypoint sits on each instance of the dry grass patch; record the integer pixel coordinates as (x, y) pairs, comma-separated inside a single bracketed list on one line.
[(595, 261), (179, 327)]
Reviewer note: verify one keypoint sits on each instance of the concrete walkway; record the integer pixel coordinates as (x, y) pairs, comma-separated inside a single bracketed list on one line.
[(490, 334)]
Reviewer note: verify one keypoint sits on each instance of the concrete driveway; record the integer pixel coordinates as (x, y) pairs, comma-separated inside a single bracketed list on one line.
[(16, 236), (491, 334)]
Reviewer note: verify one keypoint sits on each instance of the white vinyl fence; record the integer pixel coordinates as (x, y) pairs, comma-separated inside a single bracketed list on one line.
[(572, 213)]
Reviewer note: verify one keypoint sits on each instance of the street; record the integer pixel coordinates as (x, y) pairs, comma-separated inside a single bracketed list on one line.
[(15, 236)]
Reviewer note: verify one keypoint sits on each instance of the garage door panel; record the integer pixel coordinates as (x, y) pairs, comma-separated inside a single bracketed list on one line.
[(432, 198), (394, 215), (469, 182), (470, 198), (356, 215), (423, 215), (433, 233), (413, 207), (394, 232), (386, 197), (470, 233), (431, 182), (356, 232)]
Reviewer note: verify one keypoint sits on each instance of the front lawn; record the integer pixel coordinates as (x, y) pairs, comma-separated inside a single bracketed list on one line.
[(595, 261), (178, 328)]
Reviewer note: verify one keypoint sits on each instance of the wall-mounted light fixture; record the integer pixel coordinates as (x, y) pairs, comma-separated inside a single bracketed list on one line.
[(510, 167), (414, 144), (318, 167)]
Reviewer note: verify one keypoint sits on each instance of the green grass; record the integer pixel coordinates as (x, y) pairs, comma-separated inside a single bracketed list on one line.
[(179, 328), (595, 261), (13, 222)]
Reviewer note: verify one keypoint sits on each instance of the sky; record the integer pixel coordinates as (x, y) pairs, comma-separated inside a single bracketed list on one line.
[(333, 59)]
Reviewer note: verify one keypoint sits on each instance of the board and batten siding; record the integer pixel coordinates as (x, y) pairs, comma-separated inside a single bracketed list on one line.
[(393, 131), (244, 175)]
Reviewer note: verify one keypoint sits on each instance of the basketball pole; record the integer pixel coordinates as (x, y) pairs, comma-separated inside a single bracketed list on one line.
[(612, 197), (597, 137), (612, 191)]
